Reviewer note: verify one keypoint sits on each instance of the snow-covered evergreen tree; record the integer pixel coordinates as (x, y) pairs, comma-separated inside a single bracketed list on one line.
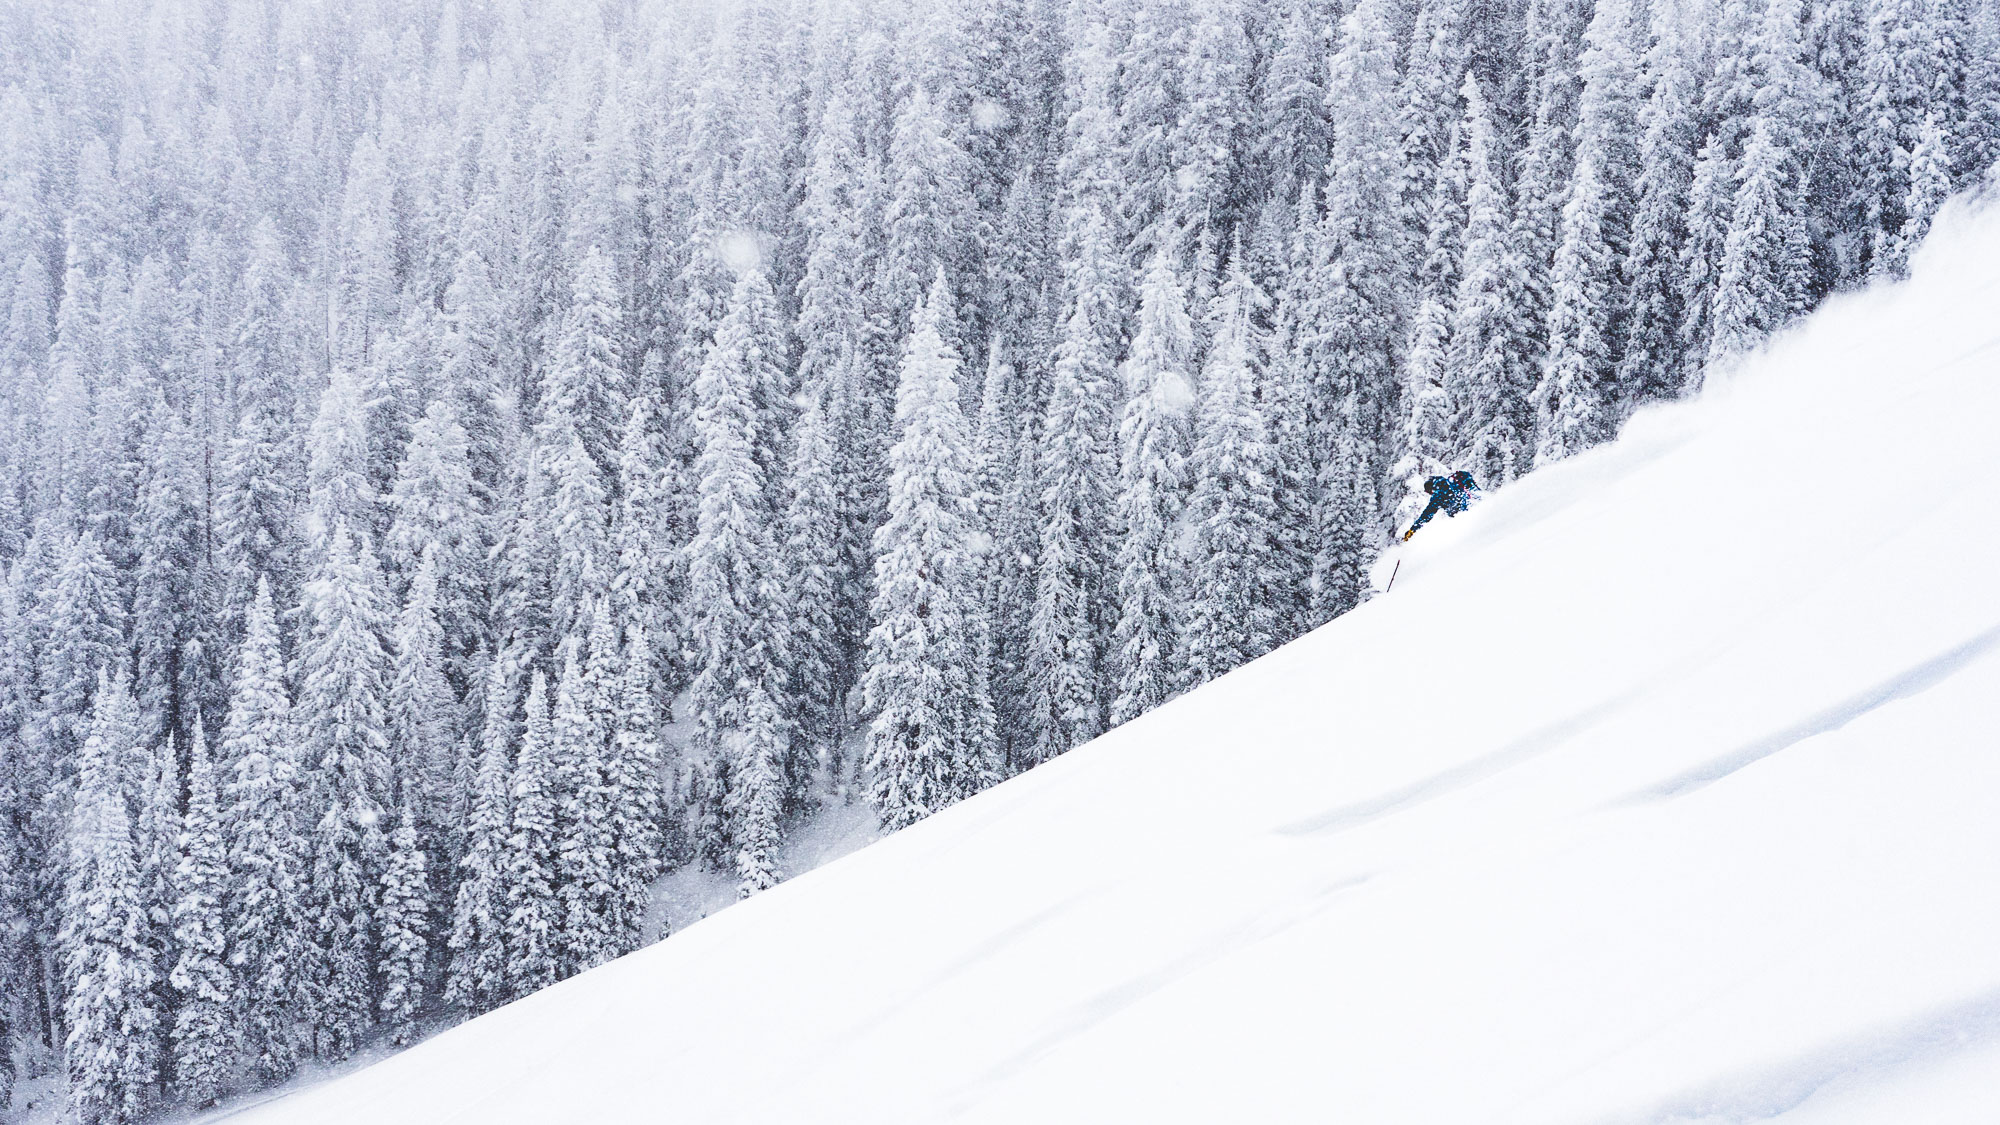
[(577, 533), (1210, 129), (167, 539), (1749, 298), (840, 337), (405, 927), (584, 385), (435, 501), (1913, 68), (470, 370), (731, 558), (341, 717), (632, 770), (927, 744), (1552, 41), (529, 861), (642, 582), (475, 978), (1930, 183), (204, 1032), (261, 906), (1292, 115), (1577, 398), (337, 954), (816, 651), (1982, 80), (1287, 393), (1440, 54), (256, 502), (116, 724), (931, 218), (16, 978), (156, 831), (20, 864), (1574, 396), (1153, 439), (86, 634), (1653, 272), (584, 846), (422, 711), (758, 796), (1354, 322), (1482, 387), (1428, 387), (1066, 674), (1232, 507), (1007, 462), (1709, 210), (341, 675), (365, 286), (339, 490), (111, 1006), (1149, 43)]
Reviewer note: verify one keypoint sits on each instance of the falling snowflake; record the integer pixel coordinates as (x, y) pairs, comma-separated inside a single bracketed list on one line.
[(1173, 393), (988, 116), (740, 250)]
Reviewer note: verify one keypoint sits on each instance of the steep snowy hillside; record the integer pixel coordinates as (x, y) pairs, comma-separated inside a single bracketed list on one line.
[(1664, 787)]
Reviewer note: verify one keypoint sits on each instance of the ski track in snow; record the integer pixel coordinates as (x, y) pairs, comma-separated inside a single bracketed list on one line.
[(1869, 1059), (1531, 745), (1915, 681), (1124, 995)]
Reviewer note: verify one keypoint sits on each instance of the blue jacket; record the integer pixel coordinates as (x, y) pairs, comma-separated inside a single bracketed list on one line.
[(1451, 495)]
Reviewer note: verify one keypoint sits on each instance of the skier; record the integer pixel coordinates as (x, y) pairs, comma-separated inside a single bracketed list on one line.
[(1452, 494)]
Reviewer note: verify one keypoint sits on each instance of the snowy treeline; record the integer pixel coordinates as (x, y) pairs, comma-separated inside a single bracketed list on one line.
[(411, 409)]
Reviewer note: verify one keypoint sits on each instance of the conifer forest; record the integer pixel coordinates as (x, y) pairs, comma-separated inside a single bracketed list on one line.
[(463, 460)]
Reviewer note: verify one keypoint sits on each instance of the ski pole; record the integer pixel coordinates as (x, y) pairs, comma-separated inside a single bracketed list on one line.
[(1393, 571)]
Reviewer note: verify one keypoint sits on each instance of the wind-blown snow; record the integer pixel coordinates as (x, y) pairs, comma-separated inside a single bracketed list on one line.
[(1664, 787)]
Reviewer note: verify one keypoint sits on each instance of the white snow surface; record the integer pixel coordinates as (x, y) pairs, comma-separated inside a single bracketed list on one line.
[(1663, 787)]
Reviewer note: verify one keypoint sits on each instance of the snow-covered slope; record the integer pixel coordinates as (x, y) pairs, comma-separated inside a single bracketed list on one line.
[(1665, 786)]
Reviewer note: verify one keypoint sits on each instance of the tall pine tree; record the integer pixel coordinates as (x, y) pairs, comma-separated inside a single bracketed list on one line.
[(1153, 436), (476, 975), (110, 1010), (261, 907), (405, 940), (204, 1032), (342, 722), (1232, 508), (529, 861), (926, 744), (1066, 674)]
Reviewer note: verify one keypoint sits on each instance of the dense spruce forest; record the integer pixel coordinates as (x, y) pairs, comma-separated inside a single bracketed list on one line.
[(462, 459)]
